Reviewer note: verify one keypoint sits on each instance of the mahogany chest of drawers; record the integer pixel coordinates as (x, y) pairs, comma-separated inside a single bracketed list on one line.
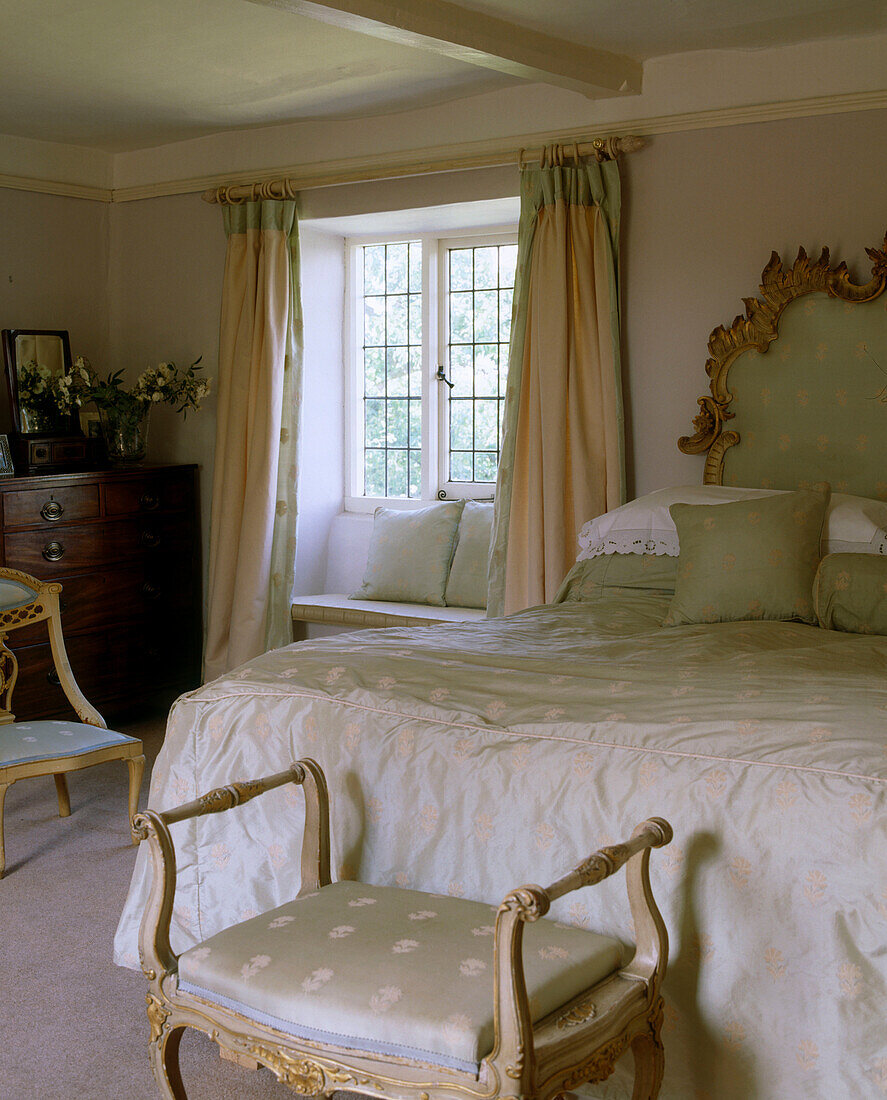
[(125, 544)]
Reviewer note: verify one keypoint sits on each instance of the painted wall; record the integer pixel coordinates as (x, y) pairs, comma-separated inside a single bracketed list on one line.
[(54, 271)]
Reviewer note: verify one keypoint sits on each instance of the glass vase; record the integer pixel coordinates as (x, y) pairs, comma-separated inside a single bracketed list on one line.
[(125, 434)]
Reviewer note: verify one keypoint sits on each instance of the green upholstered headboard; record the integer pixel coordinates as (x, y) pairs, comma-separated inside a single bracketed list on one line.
[(799, 384)]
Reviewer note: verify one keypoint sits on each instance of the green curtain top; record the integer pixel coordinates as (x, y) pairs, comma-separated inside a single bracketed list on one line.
[(264, 214), (584, 184)]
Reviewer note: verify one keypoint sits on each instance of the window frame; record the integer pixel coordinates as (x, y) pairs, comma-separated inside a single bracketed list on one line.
[(434, 330)]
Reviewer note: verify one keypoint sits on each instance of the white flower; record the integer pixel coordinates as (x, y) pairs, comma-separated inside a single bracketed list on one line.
[(316, 979), (385, 997), (256, 963), (470, 968)]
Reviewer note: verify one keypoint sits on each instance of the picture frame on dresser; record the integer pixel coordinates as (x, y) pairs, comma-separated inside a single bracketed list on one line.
[(7, 469), (40, 441)]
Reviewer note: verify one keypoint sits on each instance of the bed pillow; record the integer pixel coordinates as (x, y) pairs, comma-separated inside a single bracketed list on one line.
[(644, 526), (850, 593), (410, 554), (613, 574), (752, 559), (467, 584)]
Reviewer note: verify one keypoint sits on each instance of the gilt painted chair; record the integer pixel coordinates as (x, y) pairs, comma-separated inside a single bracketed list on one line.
[(36, 748), (405, 995)]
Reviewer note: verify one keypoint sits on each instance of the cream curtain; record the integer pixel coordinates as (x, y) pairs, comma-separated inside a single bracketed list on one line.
[(562, 459), (252, 531)]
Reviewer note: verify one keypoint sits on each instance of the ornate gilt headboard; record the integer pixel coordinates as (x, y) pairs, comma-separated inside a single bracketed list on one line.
[(799, 384)]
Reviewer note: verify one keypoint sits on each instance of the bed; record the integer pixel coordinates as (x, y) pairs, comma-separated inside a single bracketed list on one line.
[(465, 757)]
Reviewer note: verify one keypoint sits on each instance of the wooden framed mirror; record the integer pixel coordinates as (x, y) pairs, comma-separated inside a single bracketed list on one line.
[(46, 436)]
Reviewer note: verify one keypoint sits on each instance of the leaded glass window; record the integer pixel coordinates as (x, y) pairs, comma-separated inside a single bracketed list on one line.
[(480, 289), (392, 369)]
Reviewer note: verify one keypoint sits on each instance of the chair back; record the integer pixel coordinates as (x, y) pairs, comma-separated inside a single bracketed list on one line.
[(25, 600)]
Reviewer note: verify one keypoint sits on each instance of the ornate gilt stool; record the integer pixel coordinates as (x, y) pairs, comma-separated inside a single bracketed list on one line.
[(404, 995)]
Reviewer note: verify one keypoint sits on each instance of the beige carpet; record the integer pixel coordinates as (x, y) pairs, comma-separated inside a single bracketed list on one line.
[(73, 1025)]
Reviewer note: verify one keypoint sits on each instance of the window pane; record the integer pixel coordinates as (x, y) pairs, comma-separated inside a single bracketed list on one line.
[(374, 322), (460, 268), (485, 425), (374, 269), (396, 269), (486, 316), (461, 312), (415, 461), (486, 268), (374, 424), (506, 298), (374, 372), (416, 423), (396, 307), (415, 327), (485, 466), (460, 466), (397, 426), (397, 372), (415, 267), (461, 425), (507, 264), (374, 473), (461, 372), (397, 473), (415, 372), (486, 370)]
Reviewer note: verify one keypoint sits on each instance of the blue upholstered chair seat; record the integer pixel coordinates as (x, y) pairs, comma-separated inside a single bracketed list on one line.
[(21, 742)]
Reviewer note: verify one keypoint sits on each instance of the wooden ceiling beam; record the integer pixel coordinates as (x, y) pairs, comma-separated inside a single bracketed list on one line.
[(478, 39)]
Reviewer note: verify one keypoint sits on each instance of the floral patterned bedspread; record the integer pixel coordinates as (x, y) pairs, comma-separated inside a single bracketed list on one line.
[(469, 759)]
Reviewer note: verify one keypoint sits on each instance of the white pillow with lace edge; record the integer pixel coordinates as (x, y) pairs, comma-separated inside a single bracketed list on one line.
[(856, 525)]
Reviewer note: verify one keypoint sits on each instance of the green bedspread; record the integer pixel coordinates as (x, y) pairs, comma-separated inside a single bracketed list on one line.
[(469, 759)]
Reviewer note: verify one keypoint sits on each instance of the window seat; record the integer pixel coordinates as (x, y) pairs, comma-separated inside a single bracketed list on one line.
[(336, 609)]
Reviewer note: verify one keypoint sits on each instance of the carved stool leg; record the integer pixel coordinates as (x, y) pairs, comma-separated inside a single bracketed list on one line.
[(61, 790), (136, 765), (3, 787), (165, 1064), (649, 1058)]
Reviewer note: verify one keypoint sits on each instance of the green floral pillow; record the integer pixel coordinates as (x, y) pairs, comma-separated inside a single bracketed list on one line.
[(467, 586), (850, 593), (410, 554), (751, 559)]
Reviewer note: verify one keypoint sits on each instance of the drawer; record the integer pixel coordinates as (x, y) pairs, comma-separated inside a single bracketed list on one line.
[(50, 505), (146, 591), (147, 494), (90, 546), (119, 664)]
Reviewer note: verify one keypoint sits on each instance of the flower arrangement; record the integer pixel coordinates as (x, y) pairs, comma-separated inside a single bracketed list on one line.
[(47, 397), (124, 412)]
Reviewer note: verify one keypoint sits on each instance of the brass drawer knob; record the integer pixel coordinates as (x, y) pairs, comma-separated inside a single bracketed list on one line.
[(53, 551), (150, 538), (52, 510), (149, 501), (150, 591)]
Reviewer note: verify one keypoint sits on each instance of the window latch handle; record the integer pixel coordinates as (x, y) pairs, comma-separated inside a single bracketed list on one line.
[(441, 377)]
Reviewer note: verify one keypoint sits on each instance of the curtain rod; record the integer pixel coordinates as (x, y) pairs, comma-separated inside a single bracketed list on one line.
[(607, 148)]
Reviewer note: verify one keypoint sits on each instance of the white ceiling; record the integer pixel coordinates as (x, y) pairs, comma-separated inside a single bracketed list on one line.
[(121, 75)]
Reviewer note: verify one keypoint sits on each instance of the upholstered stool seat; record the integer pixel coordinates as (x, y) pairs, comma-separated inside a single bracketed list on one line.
[(386, 970), (404, 995)]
